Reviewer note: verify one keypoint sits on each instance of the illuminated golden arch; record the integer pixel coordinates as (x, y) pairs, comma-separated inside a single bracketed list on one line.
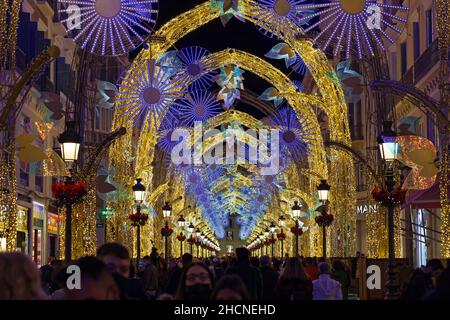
[(301, 103), (317, 163), (331, 100)]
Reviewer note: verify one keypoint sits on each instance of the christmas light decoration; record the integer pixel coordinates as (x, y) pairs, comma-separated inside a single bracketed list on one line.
[(109, 27)]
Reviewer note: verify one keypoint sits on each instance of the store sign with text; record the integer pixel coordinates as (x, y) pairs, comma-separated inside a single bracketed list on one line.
[(366, 208)]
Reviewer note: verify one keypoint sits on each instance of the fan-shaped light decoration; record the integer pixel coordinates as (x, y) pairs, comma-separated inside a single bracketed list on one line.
[(109, 27), (419, 154), (230, 80), (27, 152), (52, 102), (295, 136), (106, 92), (291, 59), (168, 126), (281, 17), (148, 92), (197, 106), (271, 94), (356, 23), (196, 67), (227, 10), (299, 85)]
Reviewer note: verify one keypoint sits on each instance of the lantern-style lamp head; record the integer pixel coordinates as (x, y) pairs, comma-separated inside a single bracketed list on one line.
[(296, 210), (181, 221), (70, 142), (324, 190), (272, 227), (198, 232), (387, 143), (139, 191), (281, 221), (191, 228), (267, 232), (167, 211)]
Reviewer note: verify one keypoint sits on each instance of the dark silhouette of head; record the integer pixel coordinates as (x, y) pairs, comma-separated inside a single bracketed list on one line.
[(242, 255), (186, 259)]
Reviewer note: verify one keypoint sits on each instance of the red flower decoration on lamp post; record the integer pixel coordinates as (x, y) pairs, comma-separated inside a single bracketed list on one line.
[(324, 220), (68, 193), (166, 231), (138, 219), (385, 198)]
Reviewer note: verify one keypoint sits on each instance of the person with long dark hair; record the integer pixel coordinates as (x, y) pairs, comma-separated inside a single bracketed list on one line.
[(230, 287), (196, 283), (294, 283)]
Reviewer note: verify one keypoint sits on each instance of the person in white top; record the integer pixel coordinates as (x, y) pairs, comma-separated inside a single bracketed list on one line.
[(326, 288)]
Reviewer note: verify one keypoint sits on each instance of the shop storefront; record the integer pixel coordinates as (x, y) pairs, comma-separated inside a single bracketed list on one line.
[(38, 233), (4, 211), (52, 230), (22, 229)]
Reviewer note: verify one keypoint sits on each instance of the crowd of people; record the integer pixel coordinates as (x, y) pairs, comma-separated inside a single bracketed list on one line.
[(111, 275)]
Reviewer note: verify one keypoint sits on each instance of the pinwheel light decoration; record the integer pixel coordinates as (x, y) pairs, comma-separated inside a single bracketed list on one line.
[(291, 59), (197, 106), (355, 23), (227, 10), (147, 93), (299, 85), (109, 27), (197, 67), (275, 18), (230, 80), (295, 133), (168, 126), (271, 94)]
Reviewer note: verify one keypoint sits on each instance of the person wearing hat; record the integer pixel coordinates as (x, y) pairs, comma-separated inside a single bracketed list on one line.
[(326, 288)]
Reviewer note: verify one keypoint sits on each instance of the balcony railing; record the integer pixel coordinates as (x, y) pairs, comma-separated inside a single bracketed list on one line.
[(422, 65)]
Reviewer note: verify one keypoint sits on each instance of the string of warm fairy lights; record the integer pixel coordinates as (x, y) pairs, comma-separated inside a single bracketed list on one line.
[(443, 26), (334, 107), (9, 22)]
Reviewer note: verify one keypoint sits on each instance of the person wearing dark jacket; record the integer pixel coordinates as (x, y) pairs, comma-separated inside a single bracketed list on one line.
[(269, 278), (117, 260), (248, 273), (175, 275), (294, 283)]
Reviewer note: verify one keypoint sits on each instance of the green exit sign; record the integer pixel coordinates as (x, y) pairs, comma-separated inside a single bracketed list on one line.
[(106, 212)]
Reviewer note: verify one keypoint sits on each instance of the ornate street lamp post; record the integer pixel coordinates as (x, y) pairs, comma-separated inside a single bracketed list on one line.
[(324, 189), (266, 235), (281, 236), (296, 213), (388, 147), (191, 230), (198, 234), (272, 228), (70, 142), (139, 196), (167, 211), (181, 223)]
